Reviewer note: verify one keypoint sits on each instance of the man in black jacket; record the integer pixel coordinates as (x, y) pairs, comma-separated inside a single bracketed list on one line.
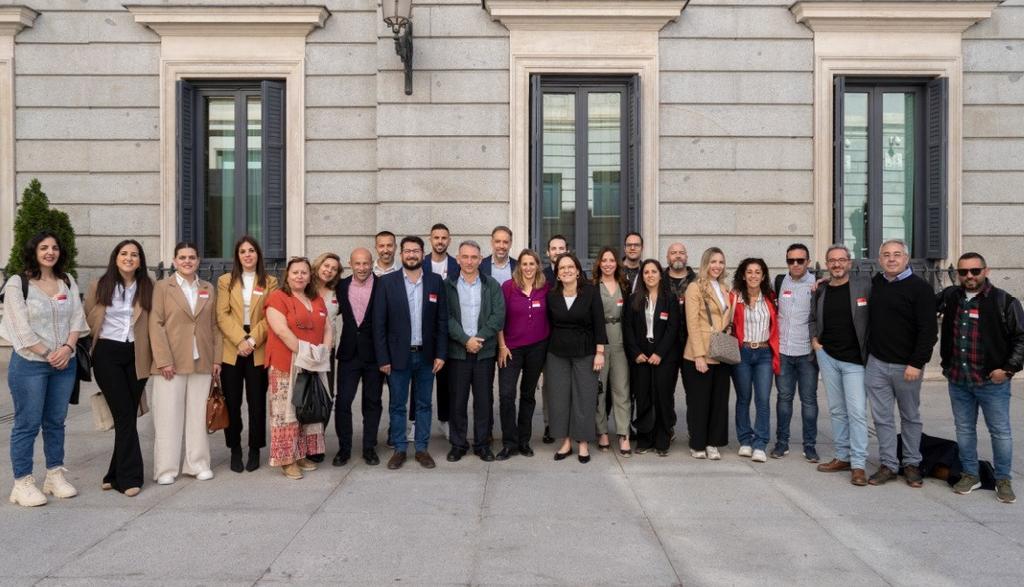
[(982, 347), (901, 333)]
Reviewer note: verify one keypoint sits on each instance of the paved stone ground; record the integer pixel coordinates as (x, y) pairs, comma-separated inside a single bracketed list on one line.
[(639, 521)]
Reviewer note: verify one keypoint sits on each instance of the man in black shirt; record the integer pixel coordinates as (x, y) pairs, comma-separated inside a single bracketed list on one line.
[(901, 336), (678, 275), (839, 325), (632, 251)]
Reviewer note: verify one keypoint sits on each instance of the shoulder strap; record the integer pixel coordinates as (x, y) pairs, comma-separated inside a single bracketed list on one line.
[(24, 285), (778, 282)]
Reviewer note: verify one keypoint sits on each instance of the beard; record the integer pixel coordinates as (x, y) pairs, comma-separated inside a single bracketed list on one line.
[(412, 265), (678, 265)]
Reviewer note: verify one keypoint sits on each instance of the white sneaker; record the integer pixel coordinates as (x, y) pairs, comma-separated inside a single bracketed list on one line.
[(713, 454), (57, 486), (745, 451), (205, 475), (410, 436), (26, 493), (165, 480), (446, 430), (759, 456), (698, 454)]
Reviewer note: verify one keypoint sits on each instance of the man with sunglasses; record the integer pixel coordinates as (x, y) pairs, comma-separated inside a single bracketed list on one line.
[(982, 347), (794, 291), (901, 334)]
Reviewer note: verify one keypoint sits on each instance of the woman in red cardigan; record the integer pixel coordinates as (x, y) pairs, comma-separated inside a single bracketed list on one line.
[(755, 324)]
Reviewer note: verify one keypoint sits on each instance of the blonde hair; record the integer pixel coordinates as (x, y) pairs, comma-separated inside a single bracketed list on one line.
[(704, 275), (315, 278)]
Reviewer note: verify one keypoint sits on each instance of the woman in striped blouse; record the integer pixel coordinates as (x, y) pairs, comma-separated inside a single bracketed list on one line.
[(756, 326)]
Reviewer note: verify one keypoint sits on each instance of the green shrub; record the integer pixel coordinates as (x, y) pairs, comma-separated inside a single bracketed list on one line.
[(34, 215)]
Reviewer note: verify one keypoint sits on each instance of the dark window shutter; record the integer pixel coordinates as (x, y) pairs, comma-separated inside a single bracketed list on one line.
[(536, 171), (185, 143), (936, 172), (633, 155), (838, 166), (273, 168)]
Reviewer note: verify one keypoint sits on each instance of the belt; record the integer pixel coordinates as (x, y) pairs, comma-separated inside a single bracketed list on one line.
[(755, 345), (415, 348), (613, 320), (650, 340)]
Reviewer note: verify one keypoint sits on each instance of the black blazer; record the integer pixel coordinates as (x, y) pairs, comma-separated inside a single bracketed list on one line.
[(666, 328), (392, 330), (453, 266), (576, 331), (356, 339), (487, 265)]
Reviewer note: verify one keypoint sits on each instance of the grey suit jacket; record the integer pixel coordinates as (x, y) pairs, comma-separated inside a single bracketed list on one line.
[(860, 296)]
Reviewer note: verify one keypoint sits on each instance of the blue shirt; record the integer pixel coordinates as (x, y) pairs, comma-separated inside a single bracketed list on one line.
[(906, 273), (501, 274), (469, 304), (414, 293)]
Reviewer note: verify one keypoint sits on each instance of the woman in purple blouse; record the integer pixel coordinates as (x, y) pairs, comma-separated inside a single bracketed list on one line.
[(522, 349)]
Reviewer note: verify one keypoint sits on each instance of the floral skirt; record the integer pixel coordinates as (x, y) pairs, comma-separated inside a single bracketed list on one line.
[(289, 440)]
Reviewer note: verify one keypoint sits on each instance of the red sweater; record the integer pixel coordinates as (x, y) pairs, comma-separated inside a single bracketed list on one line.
[(736, 301)]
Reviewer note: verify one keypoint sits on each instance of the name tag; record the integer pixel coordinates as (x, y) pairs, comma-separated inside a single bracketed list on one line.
[(618, 303), (787, 294), (432, 298), (204, 294), (62, 298), (334, 301), (535, 304), (973, 313), (323, 314), (861, 302), (257, 292), (663, 315)]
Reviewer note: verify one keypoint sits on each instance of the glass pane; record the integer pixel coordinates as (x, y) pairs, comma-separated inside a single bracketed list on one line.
[(254, 174), (604, 168), (898, 154), (855, 173), (558, 197), (219, 204)]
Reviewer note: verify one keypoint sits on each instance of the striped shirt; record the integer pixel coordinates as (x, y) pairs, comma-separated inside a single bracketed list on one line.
[(756, 321)]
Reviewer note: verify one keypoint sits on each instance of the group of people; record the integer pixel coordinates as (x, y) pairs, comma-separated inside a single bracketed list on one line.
[(610, 345)]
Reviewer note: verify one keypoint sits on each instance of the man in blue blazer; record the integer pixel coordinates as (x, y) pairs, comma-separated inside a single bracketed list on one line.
[(410, 338), (498, 265)]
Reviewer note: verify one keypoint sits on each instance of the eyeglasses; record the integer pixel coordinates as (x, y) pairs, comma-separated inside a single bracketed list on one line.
[(633, 245), (411, 251), (790, 261), (975, 271)]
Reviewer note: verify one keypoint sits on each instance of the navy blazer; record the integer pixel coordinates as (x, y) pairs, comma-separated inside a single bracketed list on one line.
[(356, 339), (487, 263), (453, 266), (392, 331)]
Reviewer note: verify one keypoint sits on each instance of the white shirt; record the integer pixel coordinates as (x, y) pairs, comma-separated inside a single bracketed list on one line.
[(649, 315), (440, 267), (117, 320), (248, 281), (569, 301), (191, 291), (756, 321), (379, 271), (717, 288)]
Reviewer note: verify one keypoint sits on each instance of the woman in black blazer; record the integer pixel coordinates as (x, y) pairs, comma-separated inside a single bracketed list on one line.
[(575, 357), (650, 335)]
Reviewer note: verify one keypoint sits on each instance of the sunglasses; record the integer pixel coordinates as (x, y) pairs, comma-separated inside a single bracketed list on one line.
[(795, 261), (975, 271)]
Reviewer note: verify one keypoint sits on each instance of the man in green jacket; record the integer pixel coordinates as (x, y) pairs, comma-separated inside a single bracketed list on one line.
[(476, 312)]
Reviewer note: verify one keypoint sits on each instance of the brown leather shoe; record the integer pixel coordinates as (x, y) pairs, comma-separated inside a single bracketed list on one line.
[(913, 476), (882, 476), (834, 466), (396, 461), (425, 460), (858, 478)]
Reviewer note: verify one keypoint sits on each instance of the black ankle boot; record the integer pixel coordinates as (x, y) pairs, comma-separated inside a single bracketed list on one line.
[(236, 459), (254, 460)]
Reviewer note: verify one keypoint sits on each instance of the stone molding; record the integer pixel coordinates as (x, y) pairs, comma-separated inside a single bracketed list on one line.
[(954, 17), (586, 14), (227, 21)]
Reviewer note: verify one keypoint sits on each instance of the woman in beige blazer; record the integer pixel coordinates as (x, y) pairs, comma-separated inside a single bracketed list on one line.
[(243, 327), (117, 309), (186, 354), (707, 380)]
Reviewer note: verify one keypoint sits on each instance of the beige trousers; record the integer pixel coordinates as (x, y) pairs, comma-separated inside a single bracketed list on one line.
[(179, 405)]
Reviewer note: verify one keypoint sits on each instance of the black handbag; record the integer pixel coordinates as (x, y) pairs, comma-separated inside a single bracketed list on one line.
[(312, 399), (84, 359)]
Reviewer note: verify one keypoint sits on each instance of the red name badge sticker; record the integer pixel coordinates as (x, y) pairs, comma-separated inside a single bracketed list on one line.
[(663, 315), (861, 302), (334, 301), (787, 294), (62, 298), (535, 304), (257, 291), (432, 298), (204, 294), (972, 313), (323, 314), (618, 303)]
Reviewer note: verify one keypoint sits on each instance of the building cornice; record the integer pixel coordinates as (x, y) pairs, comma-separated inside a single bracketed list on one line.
[(891, 16), (585, 14), (14, 18), (228, 21)]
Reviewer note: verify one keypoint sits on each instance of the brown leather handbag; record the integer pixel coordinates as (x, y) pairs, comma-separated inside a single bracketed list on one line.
[(216, 409)]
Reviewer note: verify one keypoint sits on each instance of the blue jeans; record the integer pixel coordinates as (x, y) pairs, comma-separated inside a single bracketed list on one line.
[(753, 375), (420, 375), (41, 394), (994, 400), (848, 408), (796, 370)]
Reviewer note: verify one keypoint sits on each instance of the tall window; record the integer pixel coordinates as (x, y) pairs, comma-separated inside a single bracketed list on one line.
[(584, 160), (890, 165), (231, 165)]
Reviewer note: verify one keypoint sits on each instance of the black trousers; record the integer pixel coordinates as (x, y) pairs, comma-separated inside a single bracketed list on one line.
[(443, 405), (471, 376), (707, 404), (114, 367), (254, 378), (527, 361), (653, 389), (350, 373)]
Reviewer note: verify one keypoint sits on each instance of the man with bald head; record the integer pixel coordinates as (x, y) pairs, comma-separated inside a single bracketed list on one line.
[(357, 360), (678, 275)]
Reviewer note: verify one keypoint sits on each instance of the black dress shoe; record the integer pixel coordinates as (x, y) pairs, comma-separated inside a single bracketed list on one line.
[(397, 460), (561, 455), (505, 453), (584, 458), (316, 458), (485, 454), (548, 439), (370, 457), (236, 460), (253, 462), (525, 450), (340, 460), (455, 455)]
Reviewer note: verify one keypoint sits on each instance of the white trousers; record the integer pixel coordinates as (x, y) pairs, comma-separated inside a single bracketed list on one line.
[(179, 405)]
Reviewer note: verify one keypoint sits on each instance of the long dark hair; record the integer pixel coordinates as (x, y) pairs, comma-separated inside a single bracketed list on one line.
[(739, 282), (31, 262), (112, 277), (580, 279), (236, 268), (640, 296), (310, 289), (619, 276)]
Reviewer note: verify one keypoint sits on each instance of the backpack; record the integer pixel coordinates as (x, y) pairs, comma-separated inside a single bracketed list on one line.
[(778, 283)]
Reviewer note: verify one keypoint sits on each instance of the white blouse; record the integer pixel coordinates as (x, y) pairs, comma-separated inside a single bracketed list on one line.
[(248, 281), (117, 319), (40, 318)]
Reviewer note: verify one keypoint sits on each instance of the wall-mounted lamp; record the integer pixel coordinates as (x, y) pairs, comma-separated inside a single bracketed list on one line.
[(398, 16)]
